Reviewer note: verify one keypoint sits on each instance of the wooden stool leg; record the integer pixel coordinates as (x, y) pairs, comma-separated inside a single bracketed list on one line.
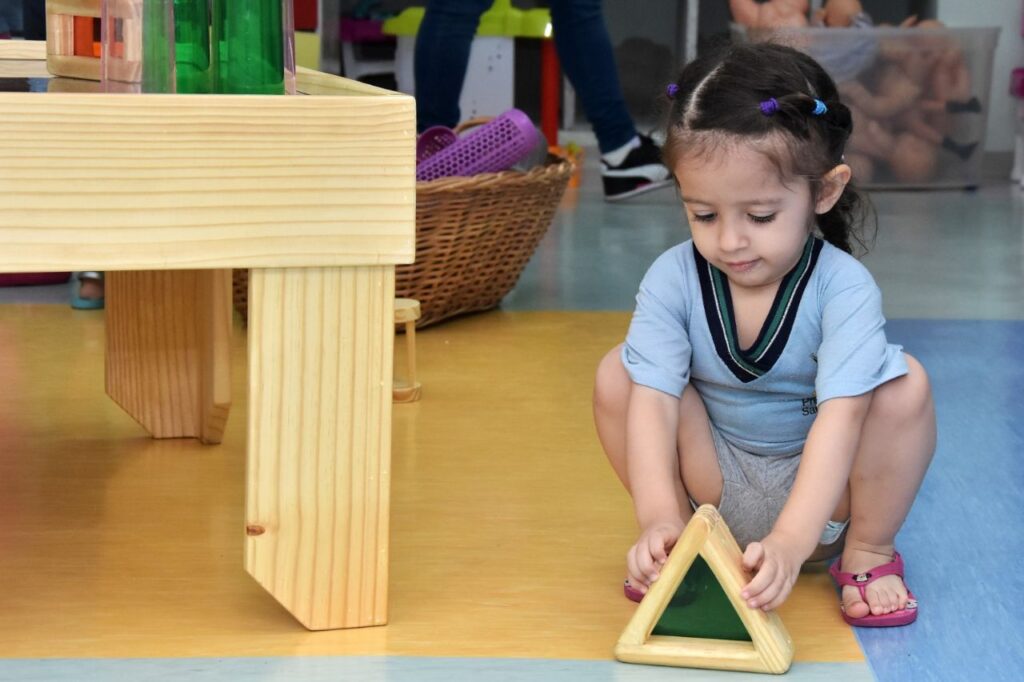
[(168, 350), (319, 461)]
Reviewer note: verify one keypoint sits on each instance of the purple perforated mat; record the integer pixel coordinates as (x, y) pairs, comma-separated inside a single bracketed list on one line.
[(495, 146)]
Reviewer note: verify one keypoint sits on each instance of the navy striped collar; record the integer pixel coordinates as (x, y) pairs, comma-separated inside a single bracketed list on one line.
[(757, 360)]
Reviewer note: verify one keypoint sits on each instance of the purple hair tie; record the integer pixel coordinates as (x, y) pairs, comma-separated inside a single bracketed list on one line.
[(671, 90), (769, 106)]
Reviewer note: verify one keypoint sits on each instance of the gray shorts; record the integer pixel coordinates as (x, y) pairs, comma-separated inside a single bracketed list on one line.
[(754, 489)]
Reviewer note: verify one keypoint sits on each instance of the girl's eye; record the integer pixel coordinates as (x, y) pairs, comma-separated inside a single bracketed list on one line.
[(762, 218), (704, 217)]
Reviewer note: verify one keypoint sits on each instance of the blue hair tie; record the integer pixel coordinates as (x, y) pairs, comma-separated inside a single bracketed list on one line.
[(819, 108), (769, 106), (671, 90)]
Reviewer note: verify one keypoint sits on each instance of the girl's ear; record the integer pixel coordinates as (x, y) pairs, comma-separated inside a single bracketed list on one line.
[(832, 186)]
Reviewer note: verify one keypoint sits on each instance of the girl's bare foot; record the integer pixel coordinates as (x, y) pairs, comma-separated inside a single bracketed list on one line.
[(885, 595)]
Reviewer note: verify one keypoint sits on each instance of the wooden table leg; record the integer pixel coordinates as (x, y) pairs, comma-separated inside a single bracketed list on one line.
[(168, 350), (318, 478)]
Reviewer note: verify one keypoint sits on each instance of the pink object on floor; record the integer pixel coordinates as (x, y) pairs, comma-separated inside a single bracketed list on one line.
[(632, 594), (25, 279), (904, 616)]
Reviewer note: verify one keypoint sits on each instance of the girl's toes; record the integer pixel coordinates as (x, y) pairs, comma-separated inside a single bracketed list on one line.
[(879, 603), (890, 602), (899, 602), (853, 604)]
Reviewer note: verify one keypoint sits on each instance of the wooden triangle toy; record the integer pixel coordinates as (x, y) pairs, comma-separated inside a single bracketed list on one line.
[(693, 615)]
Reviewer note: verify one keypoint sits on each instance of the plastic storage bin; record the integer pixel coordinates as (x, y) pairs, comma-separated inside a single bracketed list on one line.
[(919, 96)]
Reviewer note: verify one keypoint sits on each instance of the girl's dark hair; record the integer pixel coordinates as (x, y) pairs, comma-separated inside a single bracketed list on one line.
[(717, 101)]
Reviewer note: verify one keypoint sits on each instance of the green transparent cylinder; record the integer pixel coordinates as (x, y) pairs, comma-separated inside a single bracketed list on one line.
[(192, 45), (249, 42), (157, 46)]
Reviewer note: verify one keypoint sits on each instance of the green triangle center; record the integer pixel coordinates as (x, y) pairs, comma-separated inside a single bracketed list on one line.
[(700, 608)]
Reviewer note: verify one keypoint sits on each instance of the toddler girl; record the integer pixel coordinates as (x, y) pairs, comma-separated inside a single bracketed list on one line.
[(756, 375)]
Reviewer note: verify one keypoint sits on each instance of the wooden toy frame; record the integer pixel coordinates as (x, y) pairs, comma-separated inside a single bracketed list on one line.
[(71, 44), (771, 648)]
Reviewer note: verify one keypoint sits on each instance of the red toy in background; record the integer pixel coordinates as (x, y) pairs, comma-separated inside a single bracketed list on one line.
[(305, 15)]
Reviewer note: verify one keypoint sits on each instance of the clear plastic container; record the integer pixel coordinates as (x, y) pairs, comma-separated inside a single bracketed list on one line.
[(920, 98), (137, 46)]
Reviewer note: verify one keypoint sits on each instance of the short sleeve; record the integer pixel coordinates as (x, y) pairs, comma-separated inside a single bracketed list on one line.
[(657, 349), (854, 356)]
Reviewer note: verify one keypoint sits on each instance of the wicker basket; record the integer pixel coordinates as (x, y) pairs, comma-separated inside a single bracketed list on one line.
[(474, 236)]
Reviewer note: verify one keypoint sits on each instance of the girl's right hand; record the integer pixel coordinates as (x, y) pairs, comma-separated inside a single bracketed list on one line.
[(645, 558)]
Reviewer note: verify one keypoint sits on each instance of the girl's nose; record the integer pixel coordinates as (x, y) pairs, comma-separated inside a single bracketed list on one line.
[(731, 237)]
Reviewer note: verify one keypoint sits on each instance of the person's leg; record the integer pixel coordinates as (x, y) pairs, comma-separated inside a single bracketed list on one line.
[(895, 449), (700, 476), (630, 163), (585, 52), (33, 18), (442, 56), (10, 18)]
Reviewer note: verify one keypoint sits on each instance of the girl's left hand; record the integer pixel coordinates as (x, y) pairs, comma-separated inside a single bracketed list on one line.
[(777, 563)]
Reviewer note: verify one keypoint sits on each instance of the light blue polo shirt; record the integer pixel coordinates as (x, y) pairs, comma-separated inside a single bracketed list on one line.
[(824, 338)]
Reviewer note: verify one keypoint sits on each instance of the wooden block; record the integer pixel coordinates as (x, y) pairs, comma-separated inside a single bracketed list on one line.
[(72, 46), (22, 51), (168, 355), (76, 8), (84, 37), (706, 535), (85, 68), (60, 35), (318, 474), (23, 59)]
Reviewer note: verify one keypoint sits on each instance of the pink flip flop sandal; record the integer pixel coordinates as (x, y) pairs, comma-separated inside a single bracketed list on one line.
[(632, 594), (904, 616)]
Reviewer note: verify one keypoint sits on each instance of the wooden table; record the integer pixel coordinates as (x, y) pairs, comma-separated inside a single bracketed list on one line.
[(316, 195)]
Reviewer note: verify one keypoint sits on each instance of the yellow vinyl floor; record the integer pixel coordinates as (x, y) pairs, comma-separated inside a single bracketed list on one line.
[(508, 535)]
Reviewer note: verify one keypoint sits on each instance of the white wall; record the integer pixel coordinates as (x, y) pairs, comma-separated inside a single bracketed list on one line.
[(1009, 55)]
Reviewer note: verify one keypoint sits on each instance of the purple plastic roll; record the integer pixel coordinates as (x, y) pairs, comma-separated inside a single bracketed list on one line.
[(495, 146), (432, 140)]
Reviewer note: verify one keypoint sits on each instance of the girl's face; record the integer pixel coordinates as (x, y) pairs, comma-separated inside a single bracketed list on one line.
[(744, 220)]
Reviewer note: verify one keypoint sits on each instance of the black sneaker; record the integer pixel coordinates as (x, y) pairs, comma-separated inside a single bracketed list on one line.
[(641, 171)]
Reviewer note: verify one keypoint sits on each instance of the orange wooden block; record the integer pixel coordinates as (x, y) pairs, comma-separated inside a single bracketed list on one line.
[(72, 38), (83, 36)]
